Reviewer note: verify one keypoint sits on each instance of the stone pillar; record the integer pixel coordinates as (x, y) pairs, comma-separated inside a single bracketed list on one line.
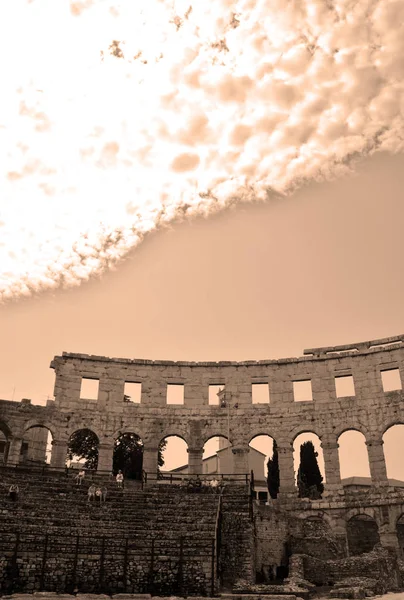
[(105, 457), (150, 455), (331, 464), (195, 460), (377, 462), (389, 539), (13, 458), (58, 456), (286, 469), (240, 459)]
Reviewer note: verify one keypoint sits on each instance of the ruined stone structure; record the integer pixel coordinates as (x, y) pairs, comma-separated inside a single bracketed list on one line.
[(371, 411)]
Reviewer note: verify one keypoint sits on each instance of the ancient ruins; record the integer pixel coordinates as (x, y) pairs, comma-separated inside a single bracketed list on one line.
[(161, 538)]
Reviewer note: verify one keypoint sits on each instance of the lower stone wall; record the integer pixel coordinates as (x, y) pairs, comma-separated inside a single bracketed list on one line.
[(280, 534), (237, 541), (313, 536), (271, 530), (362, 535), (111, 565), (380, 564)]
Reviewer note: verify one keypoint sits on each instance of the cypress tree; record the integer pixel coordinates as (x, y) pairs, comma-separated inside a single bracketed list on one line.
[(309, 478), (273, 473)]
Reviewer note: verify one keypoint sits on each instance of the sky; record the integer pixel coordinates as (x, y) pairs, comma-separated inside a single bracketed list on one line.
[(197, 181)]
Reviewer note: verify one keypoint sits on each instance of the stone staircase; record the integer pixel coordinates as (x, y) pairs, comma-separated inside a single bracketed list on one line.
[(159, 540)]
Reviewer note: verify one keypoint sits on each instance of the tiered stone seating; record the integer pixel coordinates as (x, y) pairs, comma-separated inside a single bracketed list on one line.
[(160, 539)]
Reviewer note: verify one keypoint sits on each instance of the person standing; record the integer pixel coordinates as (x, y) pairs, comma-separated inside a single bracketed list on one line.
[(80, 476), (119, 479), (13, 492), (91, 493)]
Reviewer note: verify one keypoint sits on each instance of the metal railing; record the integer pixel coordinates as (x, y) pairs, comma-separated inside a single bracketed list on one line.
[(190, 480), (205, 479)]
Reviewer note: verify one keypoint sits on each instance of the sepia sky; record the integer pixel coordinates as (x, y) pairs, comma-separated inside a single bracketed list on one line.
[(239, 166)]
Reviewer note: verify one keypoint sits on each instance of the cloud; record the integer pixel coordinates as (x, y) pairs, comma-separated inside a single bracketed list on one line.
[(204, 105)]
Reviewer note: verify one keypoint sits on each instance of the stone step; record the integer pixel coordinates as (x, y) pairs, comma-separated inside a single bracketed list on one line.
[(258, 596)]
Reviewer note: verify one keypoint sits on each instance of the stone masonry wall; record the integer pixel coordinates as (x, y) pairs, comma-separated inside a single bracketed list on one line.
[(380, 564), (362, 534), (271, 528), (371, 410), (237, 553)]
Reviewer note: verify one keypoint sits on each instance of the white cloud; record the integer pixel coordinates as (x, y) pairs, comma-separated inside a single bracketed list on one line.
[(210, 103)]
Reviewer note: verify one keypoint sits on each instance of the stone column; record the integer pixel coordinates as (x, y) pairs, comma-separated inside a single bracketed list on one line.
[(389, 539), (150, 454), (13, 458), (58, 456), (377, 462), (195, 460), (331, 464), (105, 457), (240, 459), (286, 469)]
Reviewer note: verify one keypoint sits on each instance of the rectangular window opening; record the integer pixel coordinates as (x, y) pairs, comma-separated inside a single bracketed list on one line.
[(302, 391), (214, 394), (391, 380), (175, 393), (344, 386), (89, 388), (132, 392), (260, 393)]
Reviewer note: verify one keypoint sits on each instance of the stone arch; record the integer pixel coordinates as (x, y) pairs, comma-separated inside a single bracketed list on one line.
[(400, 532), (393, 449), (390, 424), (52, 427), (318, 515), (126, 429), (174, 433), (216, 455), (128, 455), (354, 512), (82, 448), (362, 533), (217, 432), (36, 447), (175, 455), (259, 431), (262, 446), (5, 437), (352, 442), (5, 428), (78, 425), (300, 430), (353, 425)]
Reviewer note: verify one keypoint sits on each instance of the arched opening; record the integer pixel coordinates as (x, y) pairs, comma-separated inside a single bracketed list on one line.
[(362, 534), (353, 443), (173, 455), (82, 449), (36, 447), (393, 448), (263, 461), (217, 457), (4, 442), (128, 456), (400, 533), (309, 465)]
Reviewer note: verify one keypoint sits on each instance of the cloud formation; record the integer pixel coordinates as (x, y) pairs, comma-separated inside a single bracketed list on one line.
[(117, 118)]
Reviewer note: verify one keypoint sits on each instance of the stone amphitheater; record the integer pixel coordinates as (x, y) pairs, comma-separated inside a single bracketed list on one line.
[(157, 538)]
